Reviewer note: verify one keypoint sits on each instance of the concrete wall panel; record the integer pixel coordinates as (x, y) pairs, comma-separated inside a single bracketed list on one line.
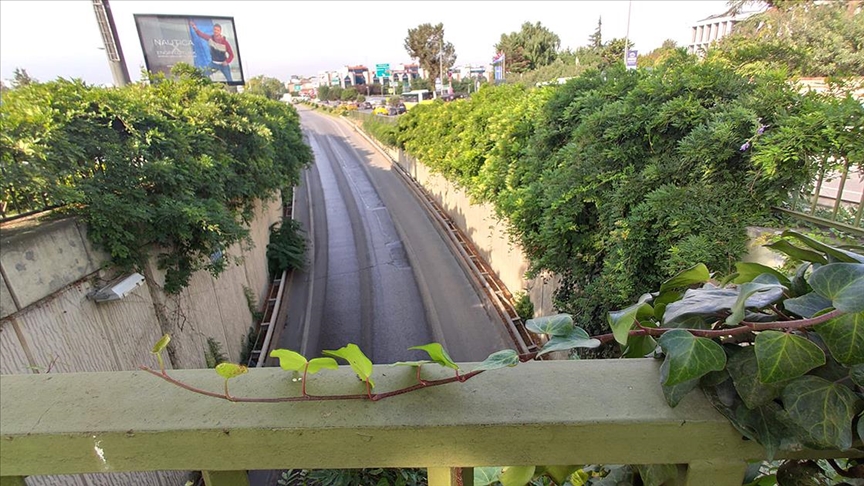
[(40, 258), (68, 327), (7, 304), (13, 360)]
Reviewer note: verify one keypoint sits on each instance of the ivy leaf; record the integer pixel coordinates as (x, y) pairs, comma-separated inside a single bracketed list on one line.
[(857, 374), (657, 474), (622, 321), (577, 338), (861, 427), (799, 285), (693, 275), (744, 370), (559, 474), (673, 394), (748, 271), (639, 347), (842, 283), (557, 325), (824, 410), (356, 359), (230, 370), (318, 364), (289, 360), (766, 424), (663, 300), (517, 475), (438, 354), (844, 336), (836, 254), (688, 357), (161, 344), (762, 285), (499, 359), (700, 307), (808, 305), (782, 356), (486, 476), (798, 253)]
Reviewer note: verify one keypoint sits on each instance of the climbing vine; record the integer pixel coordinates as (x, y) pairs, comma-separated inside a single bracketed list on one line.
[(781, 356), (175, 165)]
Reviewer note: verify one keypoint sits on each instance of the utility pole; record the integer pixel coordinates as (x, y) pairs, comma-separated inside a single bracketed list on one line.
[(440, 64), (627, 34), (116, 61)]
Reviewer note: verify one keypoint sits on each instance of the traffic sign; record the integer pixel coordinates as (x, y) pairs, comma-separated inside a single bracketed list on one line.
[(382, 70), (632, 56)]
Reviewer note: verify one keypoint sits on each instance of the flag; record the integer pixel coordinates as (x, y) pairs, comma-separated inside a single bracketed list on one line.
[(499, 57)]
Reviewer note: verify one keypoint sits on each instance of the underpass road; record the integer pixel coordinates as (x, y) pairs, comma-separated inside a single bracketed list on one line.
[(384, 278), (379, 274)]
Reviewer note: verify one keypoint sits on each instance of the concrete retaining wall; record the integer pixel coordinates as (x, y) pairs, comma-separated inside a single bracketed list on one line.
[(48, 270), (488, 233)]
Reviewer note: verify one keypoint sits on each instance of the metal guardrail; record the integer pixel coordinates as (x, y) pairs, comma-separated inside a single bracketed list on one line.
[(836, 200)]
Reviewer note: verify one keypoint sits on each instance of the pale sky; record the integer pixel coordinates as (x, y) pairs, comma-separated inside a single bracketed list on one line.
[(53, 39)]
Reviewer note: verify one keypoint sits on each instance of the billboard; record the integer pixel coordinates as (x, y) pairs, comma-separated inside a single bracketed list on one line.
[(208, 43)]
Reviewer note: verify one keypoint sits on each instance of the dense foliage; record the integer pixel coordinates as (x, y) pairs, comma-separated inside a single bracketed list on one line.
[(805, 37), (617, 180), (178, 164), (265, 86), (287, 247)]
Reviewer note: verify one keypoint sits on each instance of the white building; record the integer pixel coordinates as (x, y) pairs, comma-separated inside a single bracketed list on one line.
[(714, 28)]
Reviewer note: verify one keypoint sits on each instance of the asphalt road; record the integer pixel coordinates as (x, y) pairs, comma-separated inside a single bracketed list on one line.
[(379, 274)]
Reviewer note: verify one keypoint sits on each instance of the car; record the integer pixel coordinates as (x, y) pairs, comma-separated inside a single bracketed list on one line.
[(366, 105), (381, 110), (401, 109)]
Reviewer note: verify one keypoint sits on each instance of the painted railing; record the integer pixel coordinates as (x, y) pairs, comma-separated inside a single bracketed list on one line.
[(834, 200), (537, 413)]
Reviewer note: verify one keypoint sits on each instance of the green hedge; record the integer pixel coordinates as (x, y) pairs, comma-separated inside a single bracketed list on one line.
[(618, 180), (179, 164)]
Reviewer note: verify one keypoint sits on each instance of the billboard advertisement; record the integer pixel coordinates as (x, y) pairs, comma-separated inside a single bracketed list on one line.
[(208, 43)]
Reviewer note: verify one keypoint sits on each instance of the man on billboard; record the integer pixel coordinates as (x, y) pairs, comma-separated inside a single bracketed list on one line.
[(221, 53)]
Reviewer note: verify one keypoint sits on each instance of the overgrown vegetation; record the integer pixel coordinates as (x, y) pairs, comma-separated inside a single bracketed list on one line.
[(175, 164), (352, 477), (287, 247), (524, 306), (618, 180), (213, 354)]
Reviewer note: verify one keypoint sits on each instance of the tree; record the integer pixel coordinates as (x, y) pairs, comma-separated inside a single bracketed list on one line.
[(21, 78), (323, 92), (657, 56), (271, 88), (806, 38), (532, 47), (348, 94), (595, 40), (426, 44)]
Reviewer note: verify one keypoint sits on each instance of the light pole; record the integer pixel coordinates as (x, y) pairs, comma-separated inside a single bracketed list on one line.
[(627, 34)]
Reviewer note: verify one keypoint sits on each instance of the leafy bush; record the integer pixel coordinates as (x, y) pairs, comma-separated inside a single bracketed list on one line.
[(617, 179), (287, 247), (175, 164)]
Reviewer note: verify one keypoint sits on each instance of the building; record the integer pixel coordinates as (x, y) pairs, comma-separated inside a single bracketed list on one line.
[(714, 28)]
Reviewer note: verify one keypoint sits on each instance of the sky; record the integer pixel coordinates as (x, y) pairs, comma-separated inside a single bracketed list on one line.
[(52, 39)]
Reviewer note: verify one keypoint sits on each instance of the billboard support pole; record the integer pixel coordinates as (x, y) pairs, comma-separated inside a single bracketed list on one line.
[(116, 61), (627, 34)]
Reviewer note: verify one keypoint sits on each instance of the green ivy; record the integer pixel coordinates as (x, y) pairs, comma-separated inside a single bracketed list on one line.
[(175, 165)]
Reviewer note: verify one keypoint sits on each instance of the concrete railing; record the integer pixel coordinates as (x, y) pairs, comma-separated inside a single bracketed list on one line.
[(538, 413)]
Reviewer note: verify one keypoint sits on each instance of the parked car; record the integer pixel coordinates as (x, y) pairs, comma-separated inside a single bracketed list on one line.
[(381, 110)]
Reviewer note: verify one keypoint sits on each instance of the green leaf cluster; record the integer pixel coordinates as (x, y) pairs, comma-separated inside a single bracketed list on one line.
[(597, 178), (783, 361), (176, 165)]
